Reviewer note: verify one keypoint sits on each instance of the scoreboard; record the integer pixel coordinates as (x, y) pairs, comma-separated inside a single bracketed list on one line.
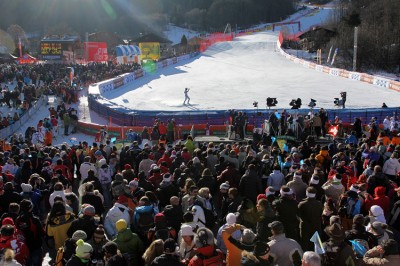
[(50, 48)]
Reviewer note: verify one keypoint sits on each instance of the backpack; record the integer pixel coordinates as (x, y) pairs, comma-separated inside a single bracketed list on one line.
[(214, 260), (163, 234), (330, 257), (210, 218), (360, 247), (351, 208), (59, 261), (146, 221)]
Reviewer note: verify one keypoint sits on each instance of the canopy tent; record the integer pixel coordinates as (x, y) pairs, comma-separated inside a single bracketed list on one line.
[(127, 50), (127, 54), (27, 59)]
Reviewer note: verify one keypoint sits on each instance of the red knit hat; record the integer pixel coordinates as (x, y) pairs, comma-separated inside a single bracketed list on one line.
[(127, 166), (380, 191), (123, 199), (261, 196), (159, 217)]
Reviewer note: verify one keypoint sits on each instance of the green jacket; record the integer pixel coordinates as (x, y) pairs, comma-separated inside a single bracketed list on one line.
[(130, 243)]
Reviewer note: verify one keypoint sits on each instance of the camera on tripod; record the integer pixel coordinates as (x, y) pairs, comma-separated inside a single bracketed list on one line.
[(271, 102), (295, 103), (312, 103)]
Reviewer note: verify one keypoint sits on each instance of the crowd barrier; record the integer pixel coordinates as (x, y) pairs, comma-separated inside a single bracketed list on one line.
[(24, 119), (357, 76), (216, 120)]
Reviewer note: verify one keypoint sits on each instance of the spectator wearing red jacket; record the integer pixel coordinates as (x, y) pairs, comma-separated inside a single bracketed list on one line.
[(380, 199), (9, 240)]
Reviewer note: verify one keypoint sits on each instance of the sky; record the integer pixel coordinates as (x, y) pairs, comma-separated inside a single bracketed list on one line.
[(232, 75)]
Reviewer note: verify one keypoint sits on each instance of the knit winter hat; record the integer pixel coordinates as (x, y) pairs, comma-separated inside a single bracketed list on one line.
[(79, 234), (159, 217), (121, 225), (134, 183), (99, 232), (122, 199), (261, 196), (269, 191), (111, 248), (98, 153), (88, 210), (297, 174), (231, 218), (206, 172), (337, 178), (314, 180), (187, 230), (83, 250), (8, 220), (127, 166), (248, 236), (225, 185), (380, 191), (26, 187), (167, 177)]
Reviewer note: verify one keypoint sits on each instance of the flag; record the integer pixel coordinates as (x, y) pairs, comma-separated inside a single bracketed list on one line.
[(71, 74), (281, 143), (333, 130), (273, 139), (358, 248), (285, 147), (329, 55), (318, 247), (192, 131), (334, 56), (20, 46), (114, 139)]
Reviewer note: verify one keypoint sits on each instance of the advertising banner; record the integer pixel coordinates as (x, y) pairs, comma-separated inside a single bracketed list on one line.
[(96, 51), (150, 50)]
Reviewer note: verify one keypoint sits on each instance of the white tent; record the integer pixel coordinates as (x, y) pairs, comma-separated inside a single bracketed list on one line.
[(127, 54)]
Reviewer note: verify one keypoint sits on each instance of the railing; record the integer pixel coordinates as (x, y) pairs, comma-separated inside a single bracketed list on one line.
[(24, 119)]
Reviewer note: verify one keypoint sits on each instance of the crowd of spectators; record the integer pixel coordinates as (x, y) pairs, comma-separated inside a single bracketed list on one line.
[(186, 203), (24, 84), (245, 203)]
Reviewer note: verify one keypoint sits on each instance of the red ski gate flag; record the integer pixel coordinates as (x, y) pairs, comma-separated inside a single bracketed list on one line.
[(333, 130)]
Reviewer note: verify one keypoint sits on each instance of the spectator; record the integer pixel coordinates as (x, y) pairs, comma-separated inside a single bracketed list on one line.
[(82, 254), (155, 249), (284, 251), (117, 212), (128, 242)]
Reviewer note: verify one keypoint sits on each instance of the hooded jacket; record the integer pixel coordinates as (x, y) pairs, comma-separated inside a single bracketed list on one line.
[(58, 227), (118, 211), (130, 243)]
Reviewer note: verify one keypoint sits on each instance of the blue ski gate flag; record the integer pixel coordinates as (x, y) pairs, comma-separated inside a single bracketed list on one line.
[(318, 247)]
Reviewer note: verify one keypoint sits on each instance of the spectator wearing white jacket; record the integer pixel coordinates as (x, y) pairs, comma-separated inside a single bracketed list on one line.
[(392, 166), (276, 179), (119, 211), (85, 167), (198, 216), (10, 166)]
